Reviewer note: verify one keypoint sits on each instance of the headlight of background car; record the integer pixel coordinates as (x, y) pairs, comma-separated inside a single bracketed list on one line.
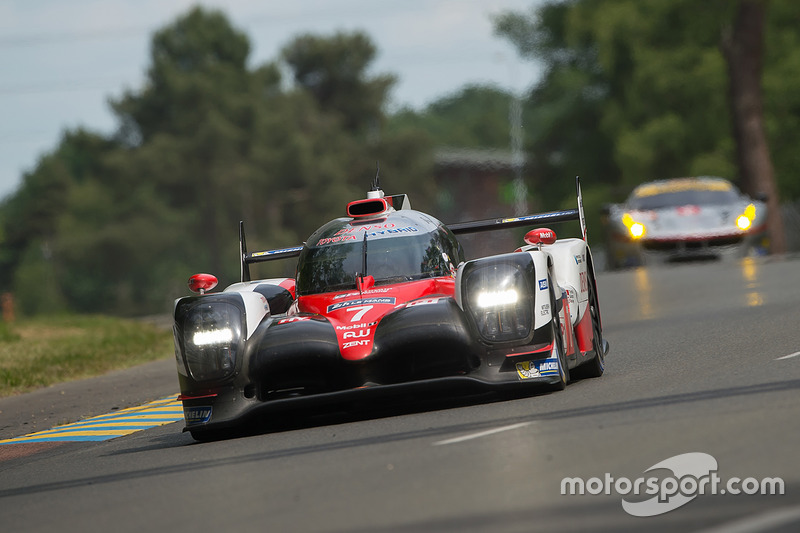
[(211, 335), (745, 220), (636, 230), (498, 298)]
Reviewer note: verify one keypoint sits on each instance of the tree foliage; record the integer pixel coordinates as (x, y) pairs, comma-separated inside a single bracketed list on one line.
[(120, 223), (476, 116), (333, 70), (635, 91)]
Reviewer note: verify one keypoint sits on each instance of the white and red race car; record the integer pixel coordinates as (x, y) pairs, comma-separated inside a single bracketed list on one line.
[(384, 303)]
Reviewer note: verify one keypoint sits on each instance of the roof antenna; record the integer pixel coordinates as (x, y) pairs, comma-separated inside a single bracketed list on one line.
[(376, 183), (375, 191)]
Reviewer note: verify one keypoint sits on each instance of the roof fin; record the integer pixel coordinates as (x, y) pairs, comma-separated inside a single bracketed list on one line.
[(375, 191)]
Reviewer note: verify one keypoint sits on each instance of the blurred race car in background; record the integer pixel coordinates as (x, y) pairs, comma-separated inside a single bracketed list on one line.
[(384, 302), (684, 218)]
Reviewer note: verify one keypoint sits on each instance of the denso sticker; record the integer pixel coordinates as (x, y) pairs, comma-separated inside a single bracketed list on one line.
[(527, 370), (543, 284), (197, 415), (362, 301), (369, 227)]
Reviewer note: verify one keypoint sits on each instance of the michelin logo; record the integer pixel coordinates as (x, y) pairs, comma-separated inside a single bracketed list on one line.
[(196, 415)]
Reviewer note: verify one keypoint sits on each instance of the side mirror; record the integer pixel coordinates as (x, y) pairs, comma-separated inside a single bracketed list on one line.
[(202, 283)]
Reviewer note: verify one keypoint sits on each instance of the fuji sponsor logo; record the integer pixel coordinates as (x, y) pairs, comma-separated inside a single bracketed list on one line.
[(356, 334)]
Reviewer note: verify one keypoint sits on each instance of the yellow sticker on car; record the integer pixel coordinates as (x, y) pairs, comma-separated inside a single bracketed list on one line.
[(527, 370), (680, 185)]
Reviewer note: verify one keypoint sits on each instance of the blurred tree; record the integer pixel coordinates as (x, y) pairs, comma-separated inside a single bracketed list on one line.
[(743, 46), (194, 60), (119, 224), (333, 70), (635, 91), (29, 217), (476, 116), (781, 93)]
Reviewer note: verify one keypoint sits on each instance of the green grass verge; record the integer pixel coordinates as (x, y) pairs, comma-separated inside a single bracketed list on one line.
[(43, 351)]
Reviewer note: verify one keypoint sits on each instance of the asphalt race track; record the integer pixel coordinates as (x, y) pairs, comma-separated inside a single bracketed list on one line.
[(705, 360)]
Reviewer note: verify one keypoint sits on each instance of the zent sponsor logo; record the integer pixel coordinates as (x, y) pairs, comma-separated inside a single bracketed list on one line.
[(355, 343)]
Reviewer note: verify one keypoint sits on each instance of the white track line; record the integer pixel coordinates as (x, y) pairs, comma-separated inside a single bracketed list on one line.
[(795, 354), (482, 434)]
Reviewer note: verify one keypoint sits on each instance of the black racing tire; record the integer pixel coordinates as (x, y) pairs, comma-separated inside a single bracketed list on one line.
[(595, 367)]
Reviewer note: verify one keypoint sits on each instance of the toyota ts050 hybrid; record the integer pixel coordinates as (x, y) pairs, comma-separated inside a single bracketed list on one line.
[(383, 302)]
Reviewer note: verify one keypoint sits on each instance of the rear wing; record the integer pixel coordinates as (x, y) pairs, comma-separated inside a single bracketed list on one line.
[(527, 220), (458, 228)]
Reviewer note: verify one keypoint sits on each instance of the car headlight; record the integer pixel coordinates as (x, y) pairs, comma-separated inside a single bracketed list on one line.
[(499, 298), (499, 302), (635, 229), (745, 220), (211, 337)]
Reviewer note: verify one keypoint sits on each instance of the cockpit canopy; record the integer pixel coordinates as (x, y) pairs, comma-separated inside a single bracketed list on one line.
[(401, 246)]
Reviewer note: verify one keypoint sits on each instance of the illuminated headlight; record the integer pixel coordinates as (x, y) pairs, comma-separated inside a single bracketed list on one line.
[(214, 336), (745, 220), (211, 340), (497, 296), (636, 229)]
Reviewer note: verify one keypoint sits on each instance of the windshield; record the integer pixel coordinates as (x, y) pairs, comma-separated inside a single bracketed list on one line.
[(682, 192), (333, 267)]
